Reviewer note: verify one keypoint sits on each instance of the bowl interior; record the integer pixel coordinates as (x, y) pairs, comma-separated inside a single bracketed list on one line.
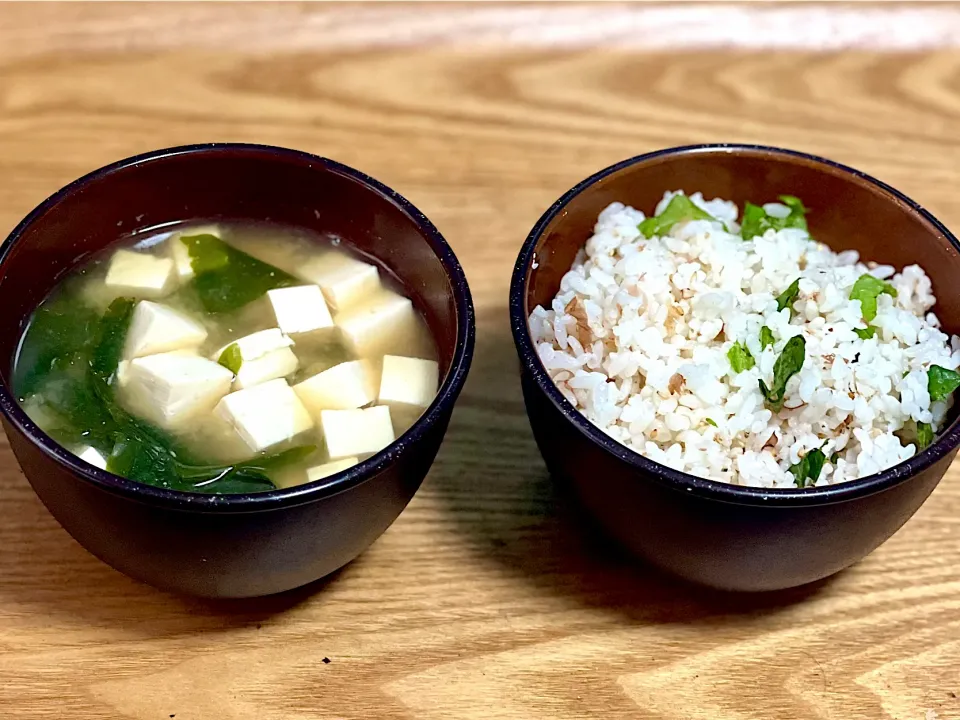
[(226, 183)]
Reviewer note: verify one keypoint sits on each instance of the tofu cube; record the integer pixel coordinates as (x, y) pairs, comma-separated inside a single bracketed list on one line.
[(345, 386), (172, 388), (123, 369), (345, 280), (273, 365), (331, 468), (140, 274), (265, 415), (92, 456), (157, 328), (407, 381), (265, 355), (356, 432), (300, 309), (379, 324)]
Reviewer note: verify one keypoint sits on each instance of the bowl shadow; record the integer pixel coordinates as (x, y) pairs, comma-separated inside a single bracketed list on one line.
[(492, 481)]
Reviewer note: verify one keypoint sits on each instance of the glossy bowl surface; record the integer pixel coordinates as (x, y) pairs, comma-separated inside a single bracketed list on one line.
[(711, 532), (232, 545)]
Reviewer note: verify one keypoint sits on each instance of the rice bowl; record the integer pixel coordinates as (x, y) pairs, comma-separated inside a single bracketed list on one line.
[(670, 338)]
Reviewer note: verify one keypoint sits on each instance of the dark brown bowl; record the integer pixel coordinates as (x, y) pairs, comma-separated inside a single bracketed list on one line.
[(232, 545), (722, 535)]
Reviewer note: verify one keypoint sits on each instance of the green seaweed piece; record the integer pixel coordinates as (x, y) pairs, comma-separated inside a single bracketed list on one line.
[(226, 279)]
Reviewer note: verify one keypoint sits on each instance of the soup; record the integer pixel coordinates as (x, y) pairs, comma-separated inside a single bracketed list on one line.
[(226, 358)]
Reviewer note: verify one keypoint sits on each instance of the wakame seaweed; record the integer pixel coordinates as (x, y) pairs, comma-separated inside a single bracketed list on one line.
[(226, 279), (57, 339)]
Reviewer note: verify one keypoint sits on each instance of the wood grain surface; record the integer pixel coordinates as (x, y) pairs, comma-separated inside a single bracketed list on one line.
[(486, 599)]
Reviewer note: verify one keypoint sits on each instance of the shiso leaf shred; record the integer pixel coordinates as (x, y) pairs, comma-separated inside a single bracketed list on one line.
[(807, 471), (867, 289), (785, 367), (740, 358), (766, 337), (679, 209), (941, 382), (756, 221), (788, 296)]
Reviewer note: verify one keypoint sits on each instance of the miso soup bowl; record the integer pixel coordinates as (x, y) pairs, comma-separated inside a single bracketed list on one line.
[(232, 545), (722, 535)]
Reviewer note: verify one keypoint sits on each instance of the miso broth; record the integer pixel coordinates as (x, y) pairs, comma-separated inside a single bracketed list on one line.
[(226, 358)]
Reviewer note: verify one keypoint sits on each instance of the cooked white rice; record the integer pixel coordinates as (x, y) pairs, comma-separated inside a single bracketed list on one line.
[(638, 335)]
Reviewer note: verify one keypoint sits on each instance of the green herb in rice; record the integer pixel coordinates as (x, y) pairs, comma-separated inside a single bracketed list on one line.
[(766, 337), (807, 471), (867, 289), (756, 220), (786, 366), (679, 209), (740, 358), (789, 296), (941, 382)]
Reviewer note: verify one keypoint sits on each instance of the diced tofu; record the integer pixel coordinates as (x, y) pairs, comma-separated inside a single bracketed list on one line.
[(265, 415), (172, 388), (92, 456), (331, 468), (345, 386), (265, 355), (300, 309), (123, 369), (345, 281), (356, 432), (273, 365), (140, 274), (408, 381), (157, 328), (180, 253), (379, 324), (258, 344)]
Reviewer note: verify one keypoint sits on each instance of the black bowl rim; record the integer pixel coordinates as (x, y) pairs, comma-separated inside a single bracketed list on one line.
[(675, 479), (310, 492)]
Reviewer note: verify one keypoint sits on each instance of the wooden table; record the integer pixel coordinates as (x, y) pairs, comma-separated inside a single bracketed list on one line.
[(485, 599)]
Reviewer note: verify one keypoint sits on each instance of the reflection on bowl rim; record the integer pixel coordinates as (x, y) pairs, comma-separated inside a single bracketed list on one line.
[(677, 479), (281, 497)]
